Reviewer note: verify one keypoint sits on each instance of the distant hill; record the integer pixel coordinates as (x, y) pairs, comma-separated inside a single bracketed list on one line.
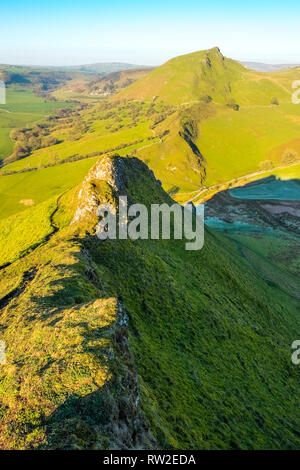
[(89, 86), (102, 67), (50, 78), (261, 67)]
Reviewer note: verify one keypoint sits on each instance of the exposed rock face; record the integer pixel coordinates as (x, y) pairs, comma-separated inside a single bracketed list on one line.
[(109, 170)]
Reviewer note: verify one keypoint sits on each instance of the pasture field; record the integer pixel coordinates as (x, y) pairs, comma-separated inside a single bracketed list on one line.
[(238, 143), (22, 231), (22, 108), (127, 127), (98, 141), (38, 186), (11, 120)]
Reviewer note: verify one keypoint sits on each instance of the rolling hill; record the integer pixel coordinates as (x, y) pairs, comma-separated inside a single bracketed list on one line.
[(199, 121), (191, 77), (103, 68)]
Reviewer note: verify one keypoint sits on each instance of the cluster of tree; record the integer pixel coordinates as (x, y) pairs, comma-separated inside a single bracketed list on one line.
[(173, 190), (266, 165), (192, 116), (109, 87), (28, 140), (289, 157), (158, 114), (79, 127), (42, 80), (14, 78), (206, 98), (60, 114)]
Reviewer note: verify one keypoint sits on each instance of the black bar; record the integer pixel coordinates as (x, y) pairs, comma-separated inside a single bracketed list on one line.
[(138, 458)]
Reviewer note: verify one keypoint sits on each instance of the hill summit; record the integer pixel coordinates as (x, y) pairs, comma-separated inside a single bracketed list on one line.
[(195, 76)]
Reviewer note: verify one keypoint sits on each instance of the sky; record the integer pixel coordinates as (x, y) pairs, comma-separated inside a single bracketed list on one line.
[(65, 32)]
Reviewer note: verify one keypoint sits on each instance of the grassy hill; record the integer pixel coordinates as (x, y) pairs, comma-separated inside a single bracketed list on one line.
[(191, 77), (236, 128), (139, 344), (199, 121), (244, 121)]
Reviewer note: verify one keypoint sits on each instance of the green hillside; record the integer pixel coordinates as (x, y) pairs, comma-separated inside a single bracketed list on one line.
[(237, 127), (190, 77), (140, 344)]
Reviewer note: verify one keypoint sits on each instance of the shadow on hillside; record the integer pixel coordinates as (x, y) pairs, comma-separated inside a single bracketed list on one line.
[(75, 423)]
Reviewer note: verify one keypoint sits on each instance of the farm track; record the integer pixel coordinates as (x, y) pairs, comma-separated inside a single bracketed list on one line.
[(236, 180)]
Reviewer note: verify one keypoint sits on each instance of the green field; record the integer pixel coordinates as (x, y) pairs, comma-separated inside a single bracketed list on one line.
[(22, 108), (38, 186), (238, 143)]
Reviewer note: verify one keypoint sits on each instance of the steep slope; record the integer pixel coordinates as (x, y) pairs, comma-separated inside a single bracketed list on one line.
[(244, 121), (123, 343)]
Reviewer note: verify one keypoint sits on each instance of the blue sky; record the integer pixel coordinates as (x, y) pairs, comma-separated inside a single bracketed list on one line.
[(75, 32)]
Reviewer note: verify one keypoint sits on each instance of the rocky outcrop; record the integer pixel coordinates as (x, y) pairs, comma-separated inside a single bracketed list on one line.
[(108, 169), (106, 181)]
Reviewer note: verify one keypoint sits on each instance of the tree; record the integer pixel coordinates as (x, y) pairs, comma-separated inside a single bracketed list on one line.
[(232, 104), (274, 101)]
